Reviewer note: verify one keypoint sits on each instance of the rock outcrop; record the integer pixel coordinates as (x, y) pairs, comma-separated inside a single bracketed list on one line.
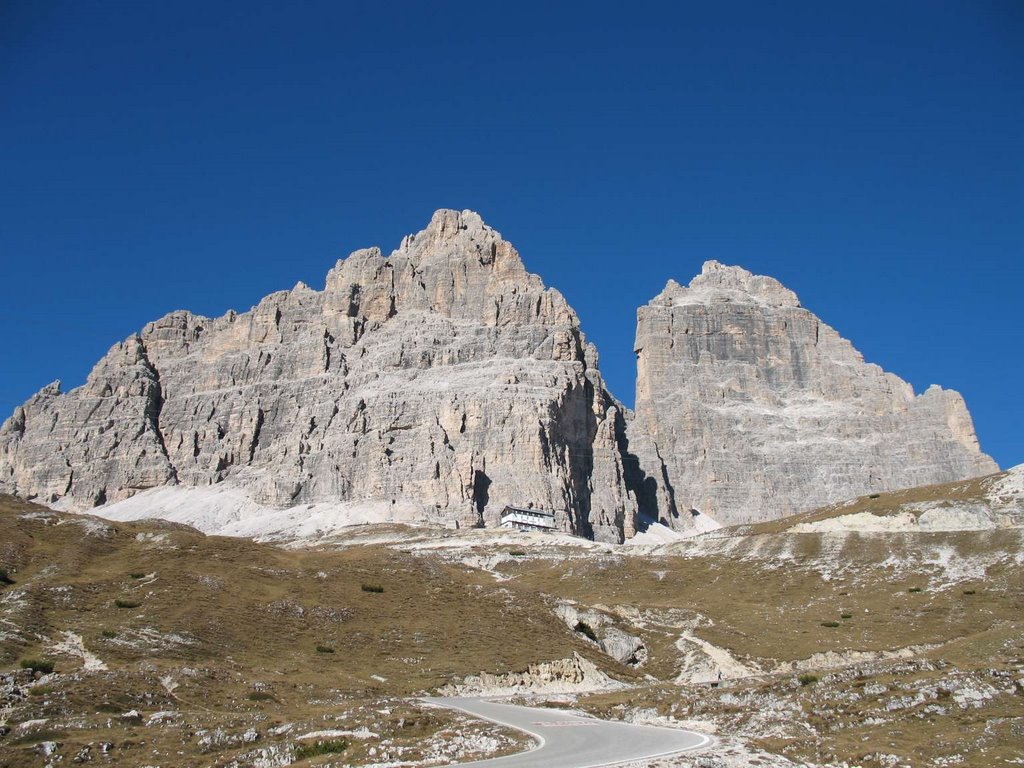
[(572, 675), (598, 627), (439, 384), (749, 408)]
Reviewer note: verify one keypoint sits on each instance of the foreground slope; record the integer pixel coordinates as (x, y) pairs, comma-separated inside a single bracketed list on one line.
[(755, 409), (439, 383), (175, 648)]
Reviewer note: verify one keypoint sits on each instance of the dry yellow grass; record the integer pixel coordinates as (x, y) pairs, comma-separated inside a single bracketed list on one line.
[(225, 632), (234, 626), (268, 608), (881, 504)]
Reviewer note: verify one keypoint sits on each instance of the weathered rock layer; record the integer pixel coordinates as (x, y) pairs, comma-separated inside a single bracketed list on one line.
[(442, 382), (749, 408)]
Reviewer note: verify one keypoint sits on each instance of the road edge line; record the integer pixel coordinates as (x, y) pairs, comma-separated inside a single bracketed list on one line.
[(708, 740)]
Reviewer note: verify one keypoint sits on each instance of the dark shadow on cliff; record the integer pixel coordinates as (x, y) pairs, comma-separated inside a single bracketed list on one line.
[(642, 485), (481, 493)]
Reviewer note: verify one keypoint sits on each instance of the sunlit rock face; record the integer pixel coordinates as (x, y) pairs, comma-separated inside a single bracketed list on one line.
[(750, 408), (441, 383), (444, 381)]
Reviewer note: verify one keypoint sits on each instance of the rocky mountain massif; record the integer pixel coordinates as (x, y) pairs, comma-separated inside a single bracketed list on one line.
[(754, 409), (439, 383), (445, 381)]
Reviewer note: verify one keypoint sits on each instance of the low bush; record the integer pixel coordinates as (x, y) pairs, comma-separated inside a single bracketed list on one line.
[(126, 603), (108, 633), (38, 665), (830, 624), (807, 679), (846, 615), (261, 696), (4, 577), (585, 629), (914, 589), (324, 649), (324, 747), (968, 591), (137, 575), (372, 588), (517, 553)]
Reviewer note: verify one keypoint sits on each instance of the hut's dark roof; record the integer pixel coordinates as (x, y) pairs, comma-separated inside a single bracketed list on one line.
[(544, 513)]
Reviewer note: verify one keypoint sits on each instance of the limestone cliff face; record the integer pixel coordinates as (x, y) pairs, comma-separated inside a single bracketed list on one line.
[(444, 380), (749, 408)]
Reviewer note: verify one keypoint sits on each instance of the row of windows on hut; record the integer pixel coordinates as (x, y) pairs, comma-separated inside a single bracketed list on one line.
[(527, 519)]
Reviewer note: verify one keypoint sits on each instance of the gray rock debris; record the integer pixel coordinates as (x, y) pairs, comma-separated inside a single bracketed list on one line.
[(749, 408), (620, 645)]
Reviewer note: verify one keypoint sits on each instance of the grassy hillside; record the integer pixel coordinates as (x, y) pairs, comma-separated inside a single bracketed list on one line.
[(976, 491), (175, 648), (231, 634)]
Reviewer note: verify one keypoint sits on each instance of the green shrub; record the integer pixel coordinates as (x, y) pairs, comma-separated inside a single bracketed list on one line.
[(261, 696), (137, 575), (324, 649), (372, 588), (322, 747), (968, 591), (846, 615), (4, 577), (126, 603), (108, 633), (517, 553), (830, 624), (914, 589), (38, 665), (806, 680), (585, 629)]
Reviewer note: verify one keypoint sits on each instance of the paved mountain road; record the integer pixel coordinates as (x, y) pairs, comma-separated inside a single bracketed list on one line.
[(573, 741)]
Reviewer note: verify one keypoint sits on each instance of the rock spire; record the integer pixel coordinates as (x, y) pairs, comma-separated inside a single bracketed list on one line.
[(750, 408)]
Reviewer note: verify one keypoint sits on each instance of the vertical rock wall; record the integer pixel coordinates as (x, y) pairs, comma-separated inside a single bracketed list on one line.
[(443, 381), (750, 408)]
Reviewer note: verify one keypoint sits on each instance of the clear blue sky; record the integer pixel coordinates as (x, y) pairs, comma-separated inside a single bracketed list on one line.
[(164, 155)]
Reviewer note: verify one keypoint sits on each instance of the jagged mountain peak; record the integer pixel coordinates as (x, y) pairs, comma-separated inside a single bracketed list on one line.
[(439, 383), (756, 409), (718, 282), (457, 236)]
